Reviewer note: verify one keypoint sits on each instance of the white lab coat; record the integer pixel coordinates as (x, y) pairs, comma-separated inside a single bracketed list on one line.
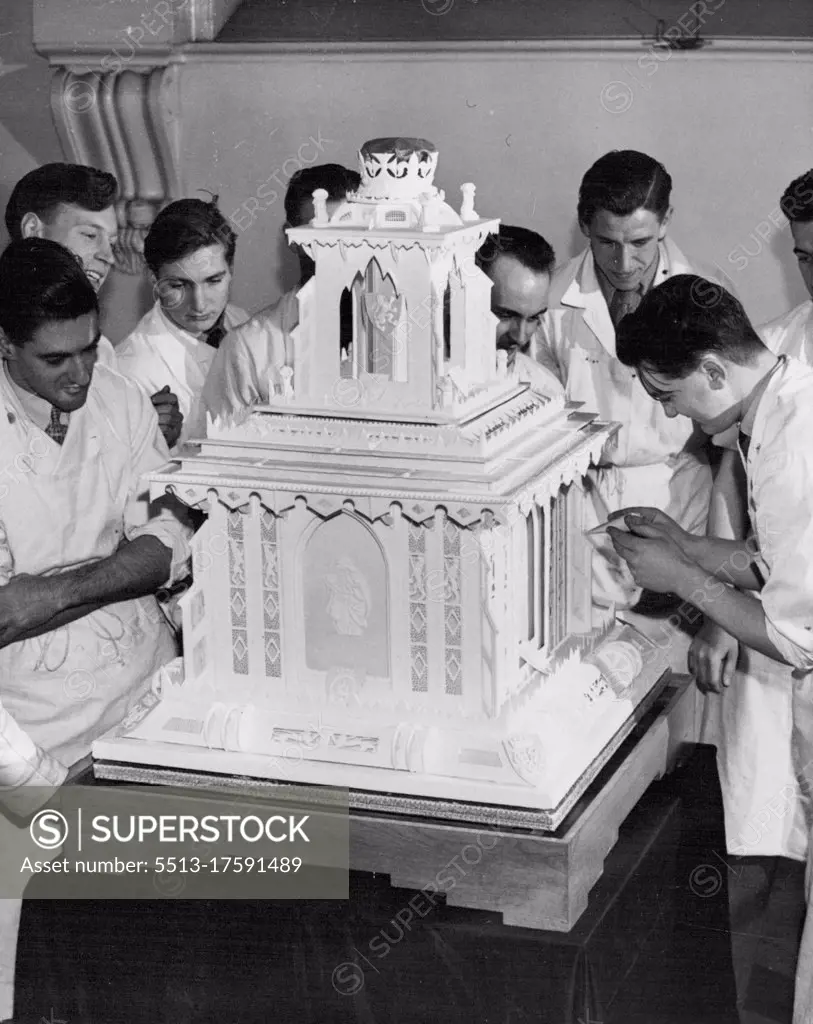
[(751, 722), (159, 353), (106, 355), (780, 496), (791, 334), (249, 356), (61, 507), (655, 460)]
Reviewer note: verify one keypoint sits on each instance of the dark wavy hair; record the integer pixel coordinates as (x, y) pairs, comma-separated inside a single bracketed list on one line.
[(184, 227), (43, 190), (682, 320), (41, 282), (622, 182), (797, 199), (336, 180), (526, 246)]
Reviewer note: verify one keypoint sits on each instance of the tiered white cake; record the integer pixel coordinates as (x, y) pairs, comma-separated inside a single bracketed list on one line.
[(392, 587)]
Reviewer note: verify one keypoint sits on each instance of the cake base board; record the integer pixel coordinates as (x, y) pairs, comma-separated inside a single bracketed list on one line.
[(118, 757), (532, 877)]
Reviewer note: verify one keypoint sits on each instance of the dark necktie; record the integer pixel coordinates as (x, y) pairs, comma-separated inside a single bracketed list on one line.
[(216, 334), (623, 303), (745, 444), (56, 429)]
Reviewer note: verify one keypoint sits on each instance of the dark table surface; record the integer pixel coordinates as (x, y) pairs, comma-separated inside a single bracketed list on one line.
[(653, 946)]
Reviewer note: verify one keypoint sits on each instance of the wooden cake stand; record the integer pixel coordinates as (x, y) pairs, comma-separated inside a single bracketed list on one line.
[(534, 877)]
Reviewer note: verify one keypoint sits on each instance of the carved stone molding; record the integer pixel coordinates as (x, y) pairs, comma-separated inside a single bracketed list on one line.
[(124, 122)]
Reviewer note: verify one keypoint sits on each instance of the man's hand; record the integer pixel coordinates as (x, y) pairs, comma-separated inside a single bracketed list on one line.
[(26, 602), (641, 516), (170, 419), (656, 560), (713, 658)]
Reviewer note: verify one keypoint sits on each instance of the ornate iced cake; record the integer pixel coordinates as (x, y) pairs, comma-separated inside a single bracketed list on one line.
[(392, 588)]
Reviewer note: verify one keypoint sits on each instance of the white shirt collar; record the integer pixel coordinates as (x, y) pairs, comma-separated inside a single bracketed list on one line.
[(183, 336), (37, 409)]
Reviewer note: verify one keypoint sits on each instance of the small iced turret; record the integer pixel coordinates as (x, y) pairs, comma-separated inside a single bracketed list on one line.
[(396, 169), (397, 302)]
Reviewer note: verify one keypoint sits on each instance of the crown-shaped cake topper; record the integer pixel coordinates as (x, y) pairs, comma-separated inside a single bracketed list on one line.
[(397, 169)]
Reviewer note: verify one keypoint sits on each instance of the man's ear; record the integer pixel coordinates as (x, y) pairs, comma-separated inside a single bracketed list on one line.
[(667, 217), (31, 226), (584, 228), (7, 348), (715, 372)]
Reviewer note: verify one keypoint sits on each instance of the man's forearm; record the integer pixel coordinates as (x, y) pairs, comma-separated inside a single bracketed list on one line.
[(731, 561), (62, 619), (737, 613), (135, 569)]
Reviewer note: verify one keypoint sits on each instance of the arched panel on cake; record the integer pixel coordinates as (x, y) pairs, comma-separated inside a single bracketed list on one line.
[(344, 606)]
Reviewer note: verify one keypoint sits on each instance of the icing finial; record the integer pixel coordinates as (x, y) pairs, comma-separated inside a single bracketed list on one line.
[(320, 217), (286, 373), (467, 211)]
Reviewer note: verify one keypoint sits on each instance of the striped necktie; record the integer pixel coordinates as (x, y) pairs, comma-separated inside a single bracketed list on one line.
[(623, 303), (56, 429)]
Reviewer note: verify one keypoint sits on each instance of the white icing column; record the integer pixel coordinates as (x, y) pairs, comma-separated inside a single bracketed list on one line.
[(544, 505), (290, 545), (303, 339), (395, 540), (481, 351), (200, 604), (471, 596), (217, 593), (318, 370), (580, 564), (457, 318), (410, 276)]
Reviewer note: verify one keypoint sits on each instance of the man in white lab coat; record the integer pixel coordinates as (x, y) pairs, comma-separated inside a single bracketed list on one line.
[(520, 264), (704, 361), (190, 253), (792, 333), (82, 551), (748, 708), (75, 206), (624, 211), (259, 348)]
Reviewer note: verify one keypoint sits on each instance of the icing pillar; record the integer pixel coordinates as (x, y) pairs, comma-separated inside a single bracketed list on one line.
[(467, 212), (320, 217), (440, 265)]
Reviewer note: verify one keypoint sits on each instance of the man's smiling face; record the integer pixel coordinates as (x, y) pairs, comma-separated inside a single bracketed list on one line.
[(90, 235)]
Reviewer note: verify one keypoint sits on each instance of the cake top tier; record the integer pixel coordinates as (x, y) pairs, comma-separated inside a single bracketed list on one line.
[(396, 169)]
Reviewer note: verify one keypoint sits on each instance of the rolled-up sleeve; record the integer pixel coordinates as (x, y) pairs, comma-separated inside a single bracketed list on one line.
[(783, 510), (27, 774), (166, 519)]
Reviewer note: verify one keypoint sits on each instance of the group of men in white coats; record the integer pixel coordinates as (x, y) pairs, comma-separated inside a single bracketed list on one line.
[(570, 330)]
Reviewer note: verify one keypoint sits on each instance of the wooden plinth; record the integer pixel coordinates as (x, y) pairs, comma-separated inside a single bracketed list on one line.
[(534, 878)]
